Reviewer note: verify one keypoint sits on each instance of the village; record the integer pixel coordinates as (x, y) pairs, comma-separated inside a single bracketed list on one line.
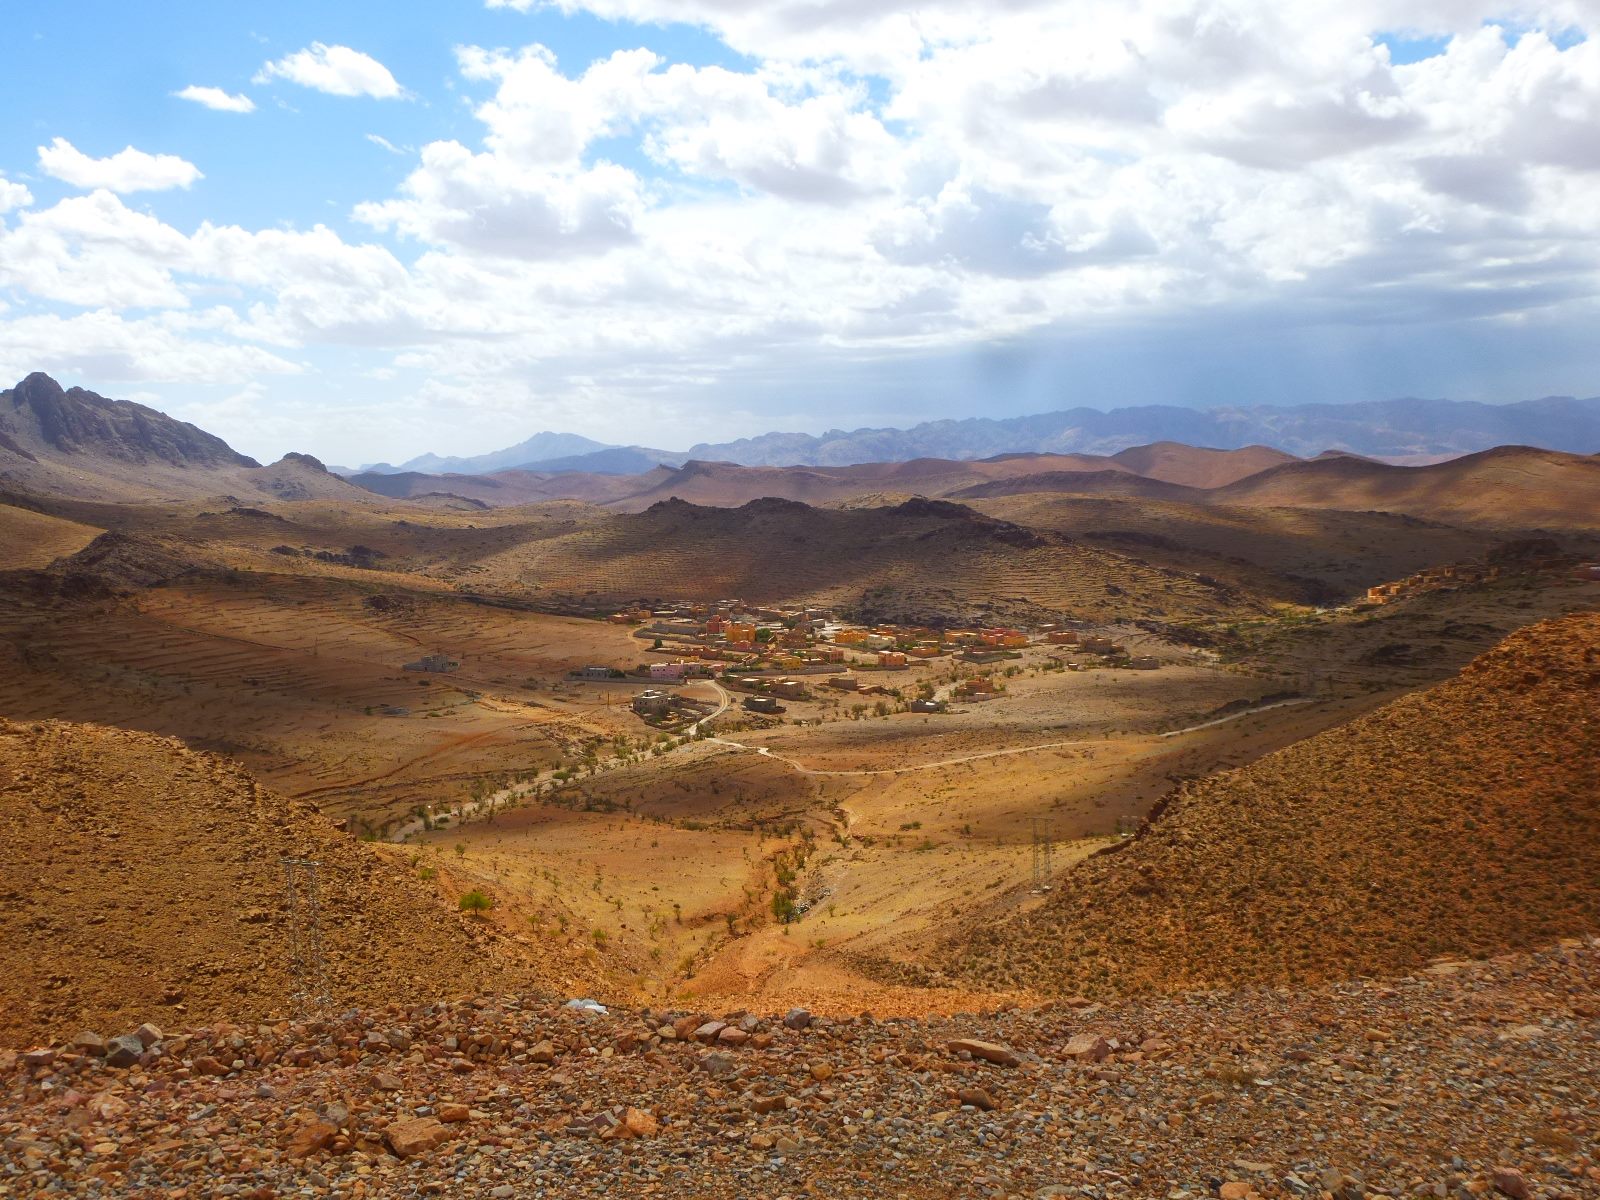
[(772, 656)]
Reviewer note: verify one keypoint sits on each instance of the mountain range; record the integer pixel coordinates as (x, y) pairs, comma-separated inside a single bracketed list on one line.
[(1406, 429)]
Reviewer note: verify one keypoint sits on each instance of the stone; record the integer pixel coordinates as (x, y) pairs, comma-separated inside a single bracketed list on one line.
[(1234, 1190), (1087, 1047), (123, 1051), (796, 1018), (786, 1145), (311, 1137), (977, 1098), (148, 1034), (994, 1052), (821, 1071), (718, 1066), (1509, 1181), (385, 1081), (639, 1123), (732, 1035), (708, 1031), (207, 1065), (762, 1105), (407, 1139), (90, 1043), (454, 1114), (684, 1027), (542, 1052), (39, 1058)]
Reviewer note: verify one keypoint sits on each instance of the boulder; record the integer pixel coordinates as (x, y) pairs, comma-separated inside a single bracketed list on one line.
[(311, 1137), (1509, 1181), (1087, 1047), (90, 1043), (639, 1123), (454, 1114), (123, 1051), (796, 1018), (993, 1052), (148, 1034), (416, 1136)]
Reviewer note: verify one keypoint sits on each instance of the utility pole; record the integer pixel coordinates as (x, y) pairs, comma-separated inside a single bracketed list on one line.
[(307, 967), (1043, 855)]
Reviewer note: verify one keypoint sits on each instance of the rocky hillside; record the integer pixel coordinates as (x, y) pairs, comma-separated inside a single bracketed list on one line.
[(38, 417), (141, 881), (1463, 820)]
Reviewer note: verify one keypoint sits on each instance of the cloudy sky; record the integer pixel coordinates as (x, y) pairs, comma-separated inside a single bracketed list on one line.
[(372, 229)]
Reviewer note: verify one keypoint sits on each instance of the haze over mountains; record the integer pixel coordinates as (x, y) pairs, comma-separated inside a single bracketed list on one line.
[(1406, 428)]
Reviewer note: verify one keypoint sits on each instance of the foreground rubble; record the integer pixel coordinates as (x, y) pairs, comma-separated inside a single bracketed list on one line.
[(1469, 1079)]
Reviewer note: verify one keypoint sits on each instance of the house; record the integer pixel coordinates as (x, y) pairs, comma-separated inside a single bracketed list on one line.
[(740, 632), (850, 637), (927, 706), (716, 626), (599, 673), (763, 704), (438, 663), (789, 689), (876, 641), (651, 703), (1061, 637), (892, 660), (1144, 662), (1100, 645), (829, 654), (672, 670), (983, 656), (980, 687), (845, 683)]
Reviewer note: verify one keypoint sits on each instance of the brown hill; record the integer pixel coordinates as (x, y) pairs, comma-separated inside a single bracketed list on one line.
[(1462, 820), (509, 488), (1083, 483), (1510, 486), (141, 881), (1199, 466), (924, 559), (71, 443)]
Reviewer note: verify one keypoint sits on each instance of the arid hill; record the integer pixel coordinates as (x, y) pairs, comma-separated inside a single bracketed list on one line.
[(140, 880), (1199, 466), (72, 443), (1463, 820), (923, 559), (1507, 487)]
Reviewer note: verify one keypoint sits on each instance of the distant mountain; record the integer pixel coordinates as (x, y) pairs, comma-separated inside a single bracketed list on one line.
[(1416, 430), (1387, 427), (618, 460), (537, 449), (70, 442), (40, 418)]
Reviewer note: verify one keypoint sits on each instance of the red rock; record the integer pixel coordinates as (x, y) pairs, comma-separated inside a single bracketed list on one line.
[(1087, 1047), (407, 1139), (454, 1114), (1509, 1181), (978, 1098), (309, 1138), (639, 1123), (993, 1052)]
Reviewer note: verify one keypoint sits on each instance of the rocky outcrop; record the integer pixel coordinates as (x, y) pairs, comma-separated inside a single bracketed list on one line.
[(39, 417)]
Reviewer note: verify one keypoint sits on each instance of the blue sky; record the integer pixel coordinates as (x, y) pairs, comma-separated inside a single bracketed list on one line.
[(443, 227)]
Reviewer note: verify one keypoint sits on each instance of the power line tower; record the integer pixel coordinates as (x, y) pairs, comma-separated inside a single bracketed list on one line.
[(306, 964), (1043, 855)]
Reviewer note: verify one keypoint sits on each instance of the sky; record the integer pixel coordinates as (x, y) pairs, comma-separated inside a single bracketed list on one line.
[(372, 230)]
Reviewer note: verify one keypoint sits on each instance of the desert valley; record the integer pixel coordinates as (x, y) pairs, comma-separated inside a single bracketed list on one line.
[(1173, 822)]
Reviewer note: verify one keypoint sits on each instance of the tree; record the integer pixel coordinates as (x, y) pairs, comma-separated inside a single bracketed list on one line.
[(461, 850), (476, 902)]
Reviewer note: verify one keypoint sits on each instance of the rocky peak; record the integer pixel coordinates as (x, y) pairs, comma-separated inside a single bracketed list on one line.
[(38, 416)]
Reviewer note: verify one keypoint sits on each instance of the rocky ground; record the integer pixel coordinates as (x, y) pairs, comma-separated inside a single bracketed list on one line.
[(1460, 819), (1465, 1079)]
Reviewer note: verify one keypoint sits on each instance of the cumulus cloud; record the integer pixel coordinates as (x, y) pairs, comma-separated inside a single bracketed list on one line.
[(128, 170), (876, 180), (13, 196), (216, 98), (336, 70)]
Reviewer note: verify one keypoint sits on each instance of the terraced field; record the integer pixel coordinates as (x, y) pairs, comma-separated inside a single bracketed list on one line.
[(301, 679)]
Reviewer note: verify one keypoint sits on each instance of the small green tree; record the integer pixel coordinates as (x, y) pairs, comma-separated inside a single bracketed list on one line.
[(461, 850), (476, 902)]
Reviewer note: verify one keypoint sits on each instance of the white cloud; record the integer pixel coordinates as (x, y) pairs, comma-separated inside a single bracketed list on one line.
[(216, 98), (878, 180), (336, 70), (128, 170), (13, 196)]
